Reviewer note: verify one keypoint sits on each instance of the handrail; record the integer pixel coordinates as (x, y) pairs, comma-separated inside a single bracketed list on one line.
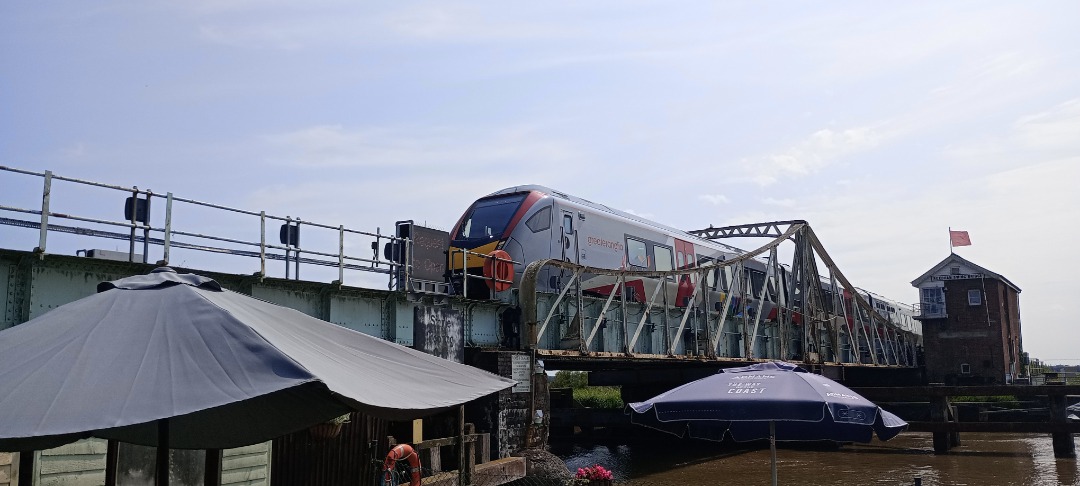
[(259, 248)]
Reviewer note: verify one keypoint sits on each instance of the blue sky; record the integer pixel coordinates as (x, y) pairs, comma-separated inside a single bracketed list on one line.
[(882, 125)]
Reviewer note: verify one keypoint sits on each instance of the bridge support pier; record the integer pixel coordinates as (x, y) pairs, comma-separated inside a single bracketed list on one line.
[(517, 418)]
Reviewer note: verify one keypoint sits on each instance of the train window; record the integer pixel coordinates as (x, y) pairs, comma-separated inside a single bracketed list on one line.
[(568, 224), (636, 253), (489, 217), (710, 277), (662, 254), (725, 276), (540, 221), (757, 280)]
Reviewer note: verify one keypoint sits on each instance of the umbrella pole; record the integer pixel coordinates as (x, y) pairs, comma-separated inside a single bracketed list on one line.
[(772, 449), (161, 474)]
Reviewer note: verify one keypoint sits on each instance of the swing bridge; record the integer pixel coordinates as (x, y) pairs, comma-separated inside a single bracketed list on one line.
[(748, 308), (816, 318)]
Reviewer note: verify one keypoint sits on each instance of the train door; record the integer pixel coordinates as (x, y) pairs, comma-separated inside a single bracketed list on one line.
[(685, 258), (569, 238)]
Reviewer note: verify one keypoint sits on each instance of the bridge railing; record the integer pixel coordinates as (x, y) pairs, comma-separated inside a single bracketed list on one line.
[(687, 313), (141, 230)]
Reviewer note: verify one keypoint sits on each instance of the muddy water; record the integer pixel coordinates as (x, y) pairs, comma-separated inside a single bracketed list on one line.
[(983, 459)]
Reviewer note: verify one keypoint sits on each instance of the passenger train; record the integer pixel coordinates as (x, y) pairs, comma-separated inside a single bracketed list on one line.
[(531, 223)]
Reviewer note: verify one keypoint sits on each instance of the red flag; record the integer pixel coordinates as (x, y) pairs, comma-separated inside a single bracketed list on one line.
[(959, 238)]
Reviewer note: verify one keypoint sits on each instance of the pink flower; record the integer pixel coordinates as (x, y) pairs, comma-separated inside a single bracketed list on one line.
[(594, 472)]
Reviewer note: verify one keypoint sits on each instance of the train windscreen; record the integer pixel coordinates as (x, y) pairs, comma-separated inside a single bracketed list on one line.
[(489, 217)]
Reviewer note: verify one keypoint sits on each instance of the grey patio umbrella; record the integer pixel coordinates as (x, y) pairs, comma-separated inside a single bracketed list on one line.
[(209, 368)]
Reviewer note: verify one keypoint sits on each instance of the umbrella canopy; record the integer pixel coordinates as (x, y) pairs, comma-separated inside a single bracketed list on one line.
[(775, 400), (741, 402), (225, 369)]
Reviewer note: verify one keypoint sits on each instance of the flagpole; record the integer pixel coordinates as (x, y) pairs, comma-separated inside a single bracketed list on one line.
[(950, 241)]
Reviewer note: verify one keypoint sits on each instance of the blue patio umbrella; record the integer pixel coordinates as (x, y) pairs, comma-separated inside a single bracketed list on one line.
[(774, 400)]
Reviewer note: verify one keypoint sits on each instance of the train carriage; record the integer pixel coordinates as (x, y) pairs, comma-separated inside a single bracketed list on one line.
[(531, 222)]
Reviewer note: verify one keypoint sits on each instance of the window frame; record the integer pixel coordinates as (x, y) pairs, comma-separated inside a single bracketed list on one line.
[(544, 214), (631, 244), (974, 297), (656, 258)]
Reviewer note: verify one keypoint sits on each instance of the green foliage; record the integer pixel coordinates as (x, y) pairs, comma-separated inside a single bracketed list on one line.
[(585, 395), (570, 379), (599, 397)]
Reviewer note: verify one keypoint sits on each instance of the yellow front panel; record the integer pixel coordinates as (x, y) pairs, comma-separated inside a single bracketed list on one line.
[(473, 261)]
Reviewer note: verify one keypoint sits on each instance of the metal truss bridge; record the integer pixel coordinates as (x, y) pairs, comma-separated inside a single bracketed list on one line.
[(813, 318)]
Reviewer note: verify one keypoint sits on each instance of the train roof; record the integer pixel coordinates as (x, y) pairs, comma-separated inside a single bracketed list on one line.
[(682, 234), (623, 214)]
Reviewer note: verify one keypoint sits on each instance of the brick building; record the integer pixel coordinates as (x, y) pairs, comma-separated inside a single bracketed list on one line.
[(971, 323)]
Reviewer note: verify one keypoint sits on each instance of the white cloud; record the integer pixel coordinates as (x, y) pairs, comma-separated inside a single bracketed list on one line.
[(649, 216), (1031, 139), (783, 203), (334, 24), (715, 199), (450, 148), (76, 151), (1056, 128), (818, 151)]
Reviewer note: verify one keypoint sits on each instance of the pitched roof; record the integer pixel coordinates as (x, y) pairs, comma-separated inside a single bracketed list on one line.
[(954, 258)]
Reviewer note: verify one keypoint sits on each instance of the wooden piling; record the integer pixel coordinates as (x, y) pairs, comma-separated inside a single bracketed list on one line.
[(939, 412), (1064, 446)]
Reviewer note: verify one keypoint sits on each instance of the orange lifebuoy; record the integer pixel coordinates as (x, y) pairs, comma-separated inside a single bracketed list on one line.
[(498, 270), (399, 452)]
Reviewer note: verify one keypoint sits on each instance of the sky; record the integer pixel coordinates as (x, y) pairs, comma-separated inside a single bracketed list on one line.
[(882, 124)]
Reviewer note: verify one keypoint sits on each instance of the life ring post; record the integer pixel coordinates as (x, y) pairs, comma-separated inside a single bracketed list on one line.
[(399, 452)]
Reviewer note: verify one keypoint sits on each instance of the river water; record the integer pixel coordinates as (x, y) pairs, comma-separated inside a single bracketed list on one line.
[(982, 459)]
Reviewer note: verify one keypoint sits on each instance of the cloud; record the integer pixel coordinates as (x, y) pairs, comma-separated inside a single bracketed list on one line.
[(715, 199), (1030, 139), (818, 151), (783, 203), (1056, 128), (649, 216), (291, 26), (76, 151), (450, 148)]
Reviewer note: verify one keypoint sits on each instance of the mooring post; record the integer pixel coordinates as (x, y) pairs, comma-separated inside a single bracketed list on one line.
[(954, 416), (1064, 447), (939, 412)]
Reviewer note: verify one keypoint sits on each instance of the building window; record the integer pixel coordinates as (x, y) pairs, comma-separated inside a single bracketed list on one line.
[(974, 297), (965, 369), (933, 301)]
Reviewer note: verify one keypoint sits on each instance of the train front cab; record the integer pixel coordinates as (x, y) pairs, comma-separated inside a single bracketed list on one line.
[(487, 226)]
